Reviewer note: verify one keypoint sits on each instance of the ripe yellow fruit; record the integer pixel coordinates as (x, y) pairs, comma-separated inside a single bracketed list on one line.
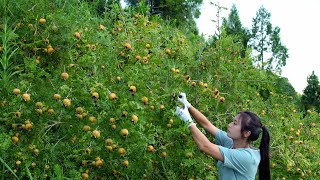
[(28, 126), (18, 163), (150, 148), (109, 141), (124, 113), (15, 139), (33, 164), (77, 35), (290, 137), (112, 120), (168, 51), (18, 114), (112, 96), (66, 102), (79, 110), (101, 27), (86, 128), (26, 97), (164, 154), (96, 134), (92, 119), (118, 78), (16, 91), (161, 107), (40, 111), (222, 99), (95, 95), (85, 176), (144, 99), (42, 20), (124, 132), (36, 152), (88, 151), (125, 163), (133, 89), (134, 118), (39, 105), (109, 148), (56, 96), (121, 151), (128, 46), (145, 59), (46, 166), (114, 126), (64, 75), (98, 162), (148, 46), (49, 49)]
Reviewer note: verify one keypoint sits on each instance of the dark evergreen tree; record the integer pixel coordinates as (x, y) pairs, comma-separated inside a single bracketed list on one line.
[(233, 26), (311, 94), (266, 43), (183, 12)]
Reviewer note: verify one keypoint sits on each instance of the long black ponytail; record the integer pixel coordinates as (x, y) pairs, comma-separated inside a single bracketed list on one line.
[(251, 122), (264, 166)]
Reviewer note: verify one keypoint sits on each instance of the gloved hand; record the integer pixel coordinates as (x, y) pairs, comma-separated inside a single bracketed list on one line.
[(183, 99), (184, 115)]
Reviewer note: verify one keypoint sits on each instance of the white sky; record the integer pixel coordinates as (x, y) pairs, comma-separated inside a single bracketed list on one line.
[(300, 31)]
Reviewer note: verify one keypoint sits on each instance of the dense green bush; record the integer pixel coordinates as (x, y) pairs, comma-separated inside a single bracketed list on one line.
[(64, 48)]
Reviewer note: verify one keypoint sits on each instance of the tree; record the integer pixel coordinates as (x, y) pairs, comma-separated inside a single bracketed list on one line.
[(311, 94), (102, 6), (266, 44), (283, 86), (233, 26), (182, 11)]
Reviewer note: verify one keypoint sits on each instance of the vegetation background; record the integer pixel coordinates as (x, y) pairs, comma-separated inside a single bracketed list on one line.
[(88, 91)]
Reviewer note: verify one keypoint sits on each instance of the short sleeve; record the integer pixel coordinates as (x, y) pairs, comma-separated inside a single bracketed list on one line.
[(241, 160), (223, 140)]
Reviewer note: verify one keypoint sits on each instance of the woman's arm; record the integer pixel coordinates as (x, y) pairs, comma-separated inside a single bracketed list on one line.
[(203, 121), (204, 144)]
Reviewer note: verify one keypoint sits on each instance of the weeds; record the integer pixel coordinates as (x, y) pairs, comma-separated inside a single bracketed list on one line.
[(8, 50)]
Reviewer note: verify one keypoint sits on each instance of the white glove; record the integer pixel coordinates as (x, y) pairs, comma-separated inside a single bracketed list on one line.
[(184, 115), (183, 99)]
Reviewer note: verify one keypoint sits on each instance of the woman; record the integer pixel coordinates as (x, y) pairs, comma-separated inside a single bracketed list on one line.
[(236, 160)]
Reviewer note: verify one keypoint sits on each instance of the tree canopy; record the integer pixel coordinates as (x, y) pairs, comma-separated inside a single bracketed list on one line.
[(267, 48), (183, 12), (233, 26), (311, 94)]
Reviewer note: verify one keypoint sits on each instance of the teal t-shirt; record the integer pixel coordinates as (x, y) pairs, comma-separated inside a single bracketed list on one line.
[(239, 163)]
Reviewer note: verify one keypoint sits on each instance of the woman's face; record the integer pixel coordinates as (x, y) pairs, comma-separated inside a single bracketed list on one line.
[(234, 128)]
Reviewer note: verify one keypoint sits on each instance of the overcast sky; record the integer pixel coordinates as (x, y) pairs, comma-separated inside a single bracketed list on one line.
[(300, 31)]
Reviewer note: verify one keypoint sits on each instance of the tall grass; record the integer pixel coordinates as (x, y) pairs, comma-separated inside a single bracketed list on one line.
[(8, 50), (5, 165)]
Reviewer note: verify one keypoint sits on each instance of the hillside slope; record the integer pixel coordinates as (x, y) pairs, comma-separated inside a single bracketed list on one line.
[(95, 97)]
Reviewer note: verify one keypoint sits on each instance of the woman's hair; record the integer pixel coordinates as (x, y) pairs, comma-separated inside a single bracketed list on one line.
[(251, 122)]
